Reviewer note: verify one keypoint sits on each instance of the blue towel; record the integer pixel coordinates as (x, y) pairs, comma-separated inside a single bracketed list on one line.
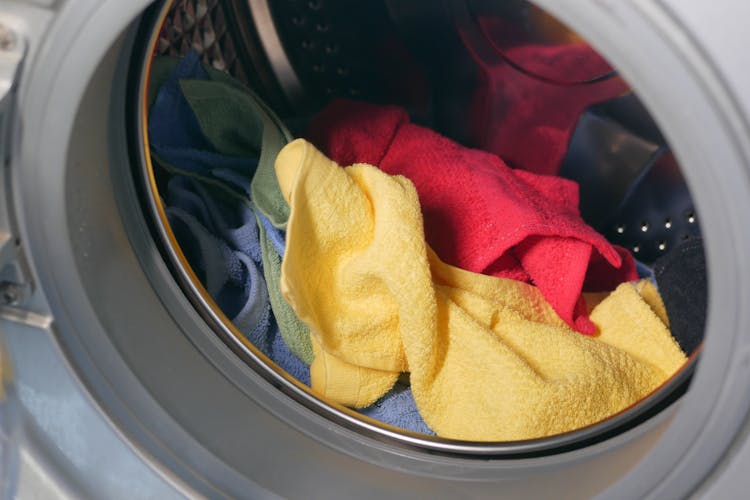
[(242, 184), (210, 211), (220, 241), (397, 408), (222, 249), (229, 219)]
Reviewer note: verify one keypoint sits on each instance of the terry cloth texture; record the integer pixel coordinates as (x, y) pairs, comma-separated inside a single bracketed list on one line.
[(397, 408), (220, 241), (682, 280), (488, 358), (210, 210), (479, 214), (526, 120), (208, 124)]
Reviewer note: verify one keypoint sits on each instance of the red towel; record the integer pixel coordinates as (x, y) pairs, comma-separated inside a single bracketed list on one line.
[(479, 214), (528, 120)]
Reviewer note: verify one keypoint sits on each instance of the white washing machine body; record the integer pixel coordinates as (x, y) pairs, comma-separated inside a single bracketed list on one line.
[(118, 392)]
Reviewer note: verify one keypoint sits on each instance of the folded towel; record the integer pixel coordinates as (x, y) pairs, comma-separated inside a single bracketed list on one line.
[(479, 214), (204, 123), (488, 357)]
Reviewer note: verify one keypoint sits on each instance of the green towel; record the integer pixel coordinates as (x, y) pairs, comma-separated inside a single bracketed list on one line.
[(237, 123), (224, 113)]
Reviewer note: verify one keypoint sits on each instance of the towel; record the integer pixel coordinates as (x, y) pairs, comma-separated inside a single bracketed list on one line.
[(525, 119), (207, 124), (681, 276), (489, 360), (220, 241), (174, 131), (479, 214), (397, 408)]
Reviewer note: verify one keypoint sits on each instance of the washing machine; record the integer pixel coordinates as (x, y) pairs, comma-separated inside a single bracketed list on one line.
[(121, 378)]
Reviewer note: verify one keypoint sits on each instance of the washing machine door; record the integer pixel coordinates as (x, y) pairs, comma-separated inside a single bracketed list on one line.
[(123, 388)]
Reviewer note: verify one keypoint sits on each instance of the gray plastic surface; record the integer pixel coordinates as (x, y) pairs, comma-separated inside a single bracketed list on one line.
[(67, 448)]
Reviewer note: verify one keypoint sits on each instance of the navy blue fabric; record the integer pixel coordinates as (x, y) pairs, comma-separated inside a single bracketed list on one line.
[(218, 234), (683, 285), (172, 120)]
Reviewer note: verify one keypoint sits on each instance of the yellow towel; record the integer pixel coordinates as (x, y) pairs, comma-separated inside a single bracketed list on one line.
[(488, 357)]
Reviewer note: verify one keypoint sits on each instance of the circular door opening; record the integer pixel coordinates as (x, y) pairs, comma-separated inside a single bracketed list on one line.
[(223, 88)]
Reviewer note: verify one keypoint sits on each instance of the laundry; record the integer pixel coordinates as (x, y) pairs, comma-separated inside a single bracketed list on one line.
[(479, 214), (210, 125), (531, 96), (220, 241), (175, 133), (295, 332), (488, 359), (398, 409), (681, 275), (210, 209), (221, 273)]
